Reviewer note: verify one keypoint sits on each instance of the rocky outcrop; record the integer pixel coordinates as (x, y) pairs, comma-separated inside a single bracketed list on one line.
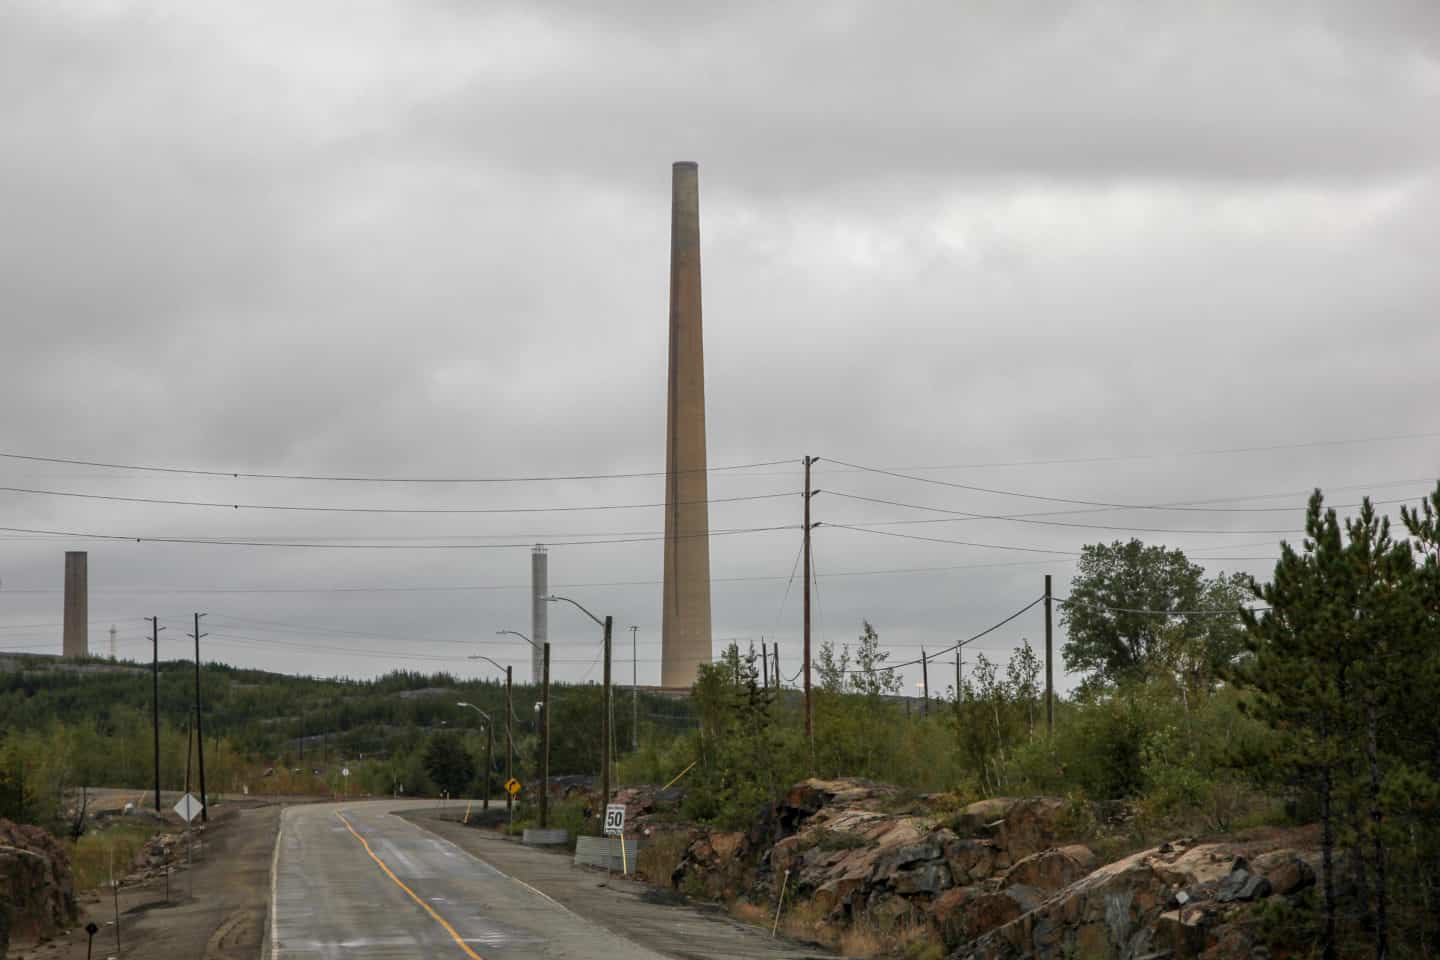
[(37, 891), (857, 849), (1180, 898), (995, 880)]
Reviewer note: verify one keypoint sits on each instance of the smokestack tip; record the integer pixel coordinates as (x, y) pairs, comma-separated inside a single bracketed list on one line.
[(686, 165)]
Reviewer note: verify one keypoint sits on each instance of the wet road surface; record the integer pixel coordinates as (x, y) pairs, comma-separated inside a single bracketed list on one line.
[(352, 880)]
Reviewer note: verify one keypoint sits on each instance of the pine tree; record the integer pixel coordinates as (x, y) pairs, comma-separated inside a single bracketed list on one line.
[(1339, 662)]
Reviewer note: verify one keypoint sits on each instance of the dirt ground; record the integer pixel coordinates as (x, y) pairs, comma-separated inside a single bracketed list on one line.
[(222, 919)]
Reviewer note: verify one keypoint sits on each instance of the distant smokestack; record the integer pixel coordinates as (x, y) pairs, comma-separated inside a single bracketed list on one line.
[(75, 641), (539, 609), (685, 621)]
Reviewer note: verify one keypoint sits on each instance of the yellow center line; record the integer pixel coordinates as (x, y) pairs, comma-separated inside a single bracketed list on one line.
[(401, 884)]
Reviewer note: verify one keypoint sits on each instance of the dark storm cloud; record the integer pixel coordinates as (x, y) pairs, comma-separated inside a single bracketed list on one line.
[(431, 240), (796, 97)]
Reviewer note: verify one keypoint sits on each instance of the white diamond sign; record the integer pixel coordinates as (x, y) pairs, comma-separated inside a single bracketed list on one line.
[(189, 808)]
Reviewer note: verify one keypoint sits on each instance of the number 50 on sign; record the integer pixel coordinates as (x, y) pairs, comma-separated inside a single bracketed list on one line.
[(614, 819)]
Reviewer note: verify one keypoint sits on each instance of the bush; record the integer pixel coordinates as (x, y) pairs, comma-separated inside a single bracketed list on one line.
[(657, 859), (93, 855)]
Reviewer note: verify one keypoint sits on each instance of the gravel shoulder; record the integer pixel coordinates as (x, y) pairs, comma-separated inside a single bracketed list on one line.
[(223, 919)]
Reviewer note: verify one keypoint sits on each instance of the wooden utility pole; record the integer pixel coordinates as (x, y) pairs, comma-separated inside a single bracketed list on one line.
[(959, 679), (805, 549), (545, 743), (155, 629), (764, 663), (509, 741), (199, 727), (605, 722), (489, 761), (634, 688), (925, 683), (778, 682), (1049, 672), (189, 749)]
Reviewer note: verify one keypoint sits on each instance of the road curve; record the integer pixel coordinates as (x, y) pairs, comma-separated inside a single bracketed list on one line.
[(350, 880)]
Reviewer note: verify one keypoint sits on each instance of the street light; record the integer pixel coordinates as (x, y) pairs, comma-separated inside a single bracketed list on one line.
[(509, 732), (604, 697), (544, 725), (489, 749)]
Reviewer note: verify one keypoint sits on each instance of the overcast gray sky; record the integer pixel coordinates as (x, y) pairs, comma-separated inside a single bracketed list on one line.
[(429, 239)]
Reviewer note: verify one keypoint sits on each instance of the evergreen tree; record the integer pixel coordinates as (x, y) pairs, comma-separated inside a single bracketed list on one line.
[(1339, 662), (449, 764)]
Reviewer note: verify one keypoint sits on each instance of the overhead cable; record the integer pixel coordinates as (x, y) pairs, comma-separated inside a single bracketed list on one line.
[(1067, 601), (1215, 451), (1052, 499), (343, 478), (955, 515), (223, 542), (956, 646), (964, 543), (164, 501)]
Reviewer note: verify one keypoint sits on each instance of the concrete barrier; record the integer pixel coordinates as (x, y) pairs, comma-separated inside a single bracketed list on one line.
[(605, 852), (536, 837)]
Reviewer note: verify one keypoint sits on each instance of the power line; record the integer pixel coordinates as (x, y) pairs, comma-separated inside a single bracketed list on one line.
[(1053, 461), (314, 544), (348, 651), (1219, 451), (963, 543), (281, 626), (998, 546), (1071, 500), (339, 478), (789, 583), (1066, 601), (165, 501), (955, 515), (968, 640), (466, 588)]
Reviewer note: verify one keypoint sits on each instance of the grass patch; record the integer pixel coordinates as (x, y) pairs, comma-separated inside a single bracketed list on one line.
[(93, 854), (751, 913), (827, 840), (567, 815), (657, 859)]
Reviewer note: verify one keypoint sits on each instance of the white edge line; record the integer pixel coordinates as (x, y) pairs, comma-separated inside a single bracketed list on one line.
[(275, 888)]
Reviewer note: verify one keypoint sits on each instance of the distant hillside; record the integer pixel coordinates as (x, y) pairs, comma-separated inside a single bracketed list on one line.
[(282, 721)]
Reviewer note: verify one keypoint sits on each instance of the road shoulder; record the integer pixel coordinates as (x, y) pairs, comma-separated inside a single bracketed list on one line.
[(216, 910), (626, 908)]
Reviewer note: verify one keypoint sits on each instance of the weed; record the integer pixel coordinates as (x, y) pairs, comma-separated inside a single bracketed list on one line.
[(829, 840), (658, 858), (91, 855)]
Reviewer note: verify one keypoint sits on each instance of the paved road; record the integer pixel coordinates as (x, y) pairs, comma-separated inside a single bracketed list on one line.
[(352, 880)]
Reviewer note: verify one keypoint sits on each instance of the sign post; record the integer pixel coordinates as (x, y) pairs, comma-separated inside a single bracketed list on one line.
[(189, 808), (615, 827), (345, 772), (512, 787)]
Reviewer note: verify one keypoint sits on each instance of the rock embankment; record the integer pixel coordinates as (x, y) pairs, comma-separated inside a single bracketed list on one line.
[(994, 880), (37, 891)]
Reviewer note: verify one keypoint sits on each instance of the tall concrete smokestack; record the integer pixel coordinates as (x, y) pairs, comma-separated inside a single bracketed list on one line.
[(75, 641), (685, 622), (539, 609)]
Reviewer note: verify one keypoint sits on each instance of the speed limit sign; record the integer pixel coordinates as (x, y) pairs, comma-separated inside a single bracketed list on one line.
[(614, 819)]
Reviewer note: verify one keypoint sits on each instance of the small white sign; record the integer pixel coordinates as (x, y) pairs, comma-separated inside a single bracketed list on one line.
[(344, 771), (614, 819), (189, 808)]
